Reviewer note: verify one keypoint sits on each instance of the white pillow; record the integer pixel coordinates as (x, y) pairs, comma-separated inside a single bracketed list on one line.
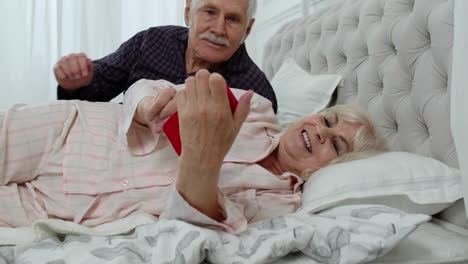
[(406, 181), (300, 93)]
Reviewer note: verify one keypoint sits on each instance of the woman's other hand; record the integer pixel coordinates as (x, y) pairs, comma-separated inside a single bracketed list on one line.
[(153, 109)]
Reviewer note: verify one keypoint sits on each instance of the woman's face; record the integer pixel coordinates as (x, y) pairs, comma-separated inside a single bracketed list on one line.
[(314, 141)]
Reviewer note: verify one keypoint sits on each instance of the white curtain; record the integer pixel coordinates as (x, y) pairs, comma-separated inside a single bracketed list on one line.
[(459, 90), (36, 33)]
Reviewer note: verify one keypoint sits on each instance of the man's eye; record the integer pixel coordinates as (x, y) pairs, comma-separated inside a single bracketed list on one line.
[(210, 12), (232, 19)]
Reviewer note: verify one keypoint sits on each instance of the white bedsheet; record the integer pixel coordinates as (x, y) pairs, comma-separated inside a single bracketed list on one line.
[(348, 234)]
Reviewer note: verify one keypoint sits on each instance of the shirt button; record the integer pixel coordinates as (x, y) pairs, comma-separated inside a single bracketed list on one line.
[(124, 183)]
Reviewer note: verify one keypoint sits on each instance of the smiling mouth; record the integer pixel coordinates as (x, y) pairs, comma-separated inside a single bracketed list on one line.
[(307, 141)]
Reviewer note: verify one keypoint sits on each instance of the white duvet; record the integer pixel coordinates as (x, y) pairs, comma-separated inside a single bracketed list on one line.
[(348, 234)]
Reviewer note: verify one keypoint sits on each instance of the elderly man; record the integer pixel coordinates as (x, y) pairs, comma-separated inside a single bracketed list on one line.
[(214, 41)]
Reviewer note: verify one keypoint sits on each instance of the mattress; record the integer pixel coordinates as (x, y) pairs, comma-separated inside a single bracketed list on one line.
[(434, 242)]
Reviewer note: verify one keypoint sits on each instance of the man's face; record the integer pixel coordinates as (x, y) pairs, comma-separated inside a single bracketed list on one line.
[(218, 28)]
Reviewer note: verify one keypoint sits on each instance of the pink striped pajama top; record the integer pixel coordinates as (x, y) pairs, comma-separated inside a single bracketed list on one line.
[(91, 164)]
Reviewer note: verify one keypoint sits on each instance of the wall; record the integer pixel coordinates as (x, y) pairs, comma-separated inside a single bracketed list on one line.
[(459, 93), (271, 15)]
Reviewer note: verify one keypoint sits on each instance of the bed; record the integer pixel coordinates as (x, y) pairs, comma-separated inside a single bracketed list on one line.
[(395, 58), (379, 54)]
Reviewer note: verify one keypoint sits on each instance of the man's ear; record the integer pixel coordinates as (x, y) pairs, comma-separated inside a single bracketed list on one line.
[(187, 12), (249, 27)]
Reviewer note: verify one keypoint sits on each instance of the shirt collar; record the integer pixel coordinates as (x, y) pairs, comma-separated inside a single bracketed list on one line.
[(239, 62)]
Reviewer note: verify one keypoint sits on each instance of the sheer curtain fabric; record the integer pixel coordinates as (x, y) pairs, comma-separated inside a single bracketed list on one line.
[(36, 33)]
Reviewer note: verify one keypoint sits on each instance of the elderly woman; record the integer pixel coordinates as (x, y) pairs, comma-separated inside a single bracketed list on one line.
[(92, 163)]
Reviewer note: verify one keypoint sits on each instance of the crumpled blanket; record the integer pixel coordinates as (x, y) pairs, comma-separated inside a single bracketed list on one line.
[(346, 234)]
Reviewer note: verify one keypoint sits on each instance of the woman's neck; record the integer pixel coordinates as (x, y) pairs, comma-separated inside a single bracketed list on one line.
[(271, 163)]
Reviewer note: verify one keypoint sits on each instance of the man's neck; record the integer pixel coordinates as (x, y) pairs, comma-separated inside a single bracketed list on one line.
[(193, 63)]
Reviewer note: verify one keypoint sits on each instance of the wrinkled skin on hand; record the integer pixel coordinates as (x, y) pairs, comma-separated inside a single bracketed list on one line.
[(208, 129), (152, 110), (74, 71)]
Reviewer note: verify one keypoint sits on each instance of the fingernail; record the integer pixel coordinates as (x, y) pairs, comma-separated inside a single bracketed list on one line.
[(250, 94), (247, 96)]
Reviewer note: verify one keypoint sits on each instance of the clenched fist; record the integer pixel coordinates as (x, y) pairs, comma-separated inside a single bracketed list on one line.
[(74, 71)]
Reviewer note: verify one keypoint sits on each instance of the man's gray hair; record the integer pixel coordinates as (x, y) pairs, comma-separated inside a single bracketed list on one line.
[(251, 8)]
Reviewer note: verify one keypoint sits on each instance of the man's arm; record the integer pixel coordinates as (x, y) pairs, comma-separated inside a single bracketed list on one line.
[(108, 76), (254, 79)]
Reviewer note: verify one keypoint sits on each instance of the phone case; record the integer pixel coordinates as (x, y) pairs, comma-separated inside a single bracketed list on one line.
[(171, 126)]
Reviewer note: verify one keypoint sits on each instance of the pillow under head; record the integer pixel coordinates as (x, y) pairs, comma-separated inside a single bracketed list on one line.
[(300, 93), (406, 181)]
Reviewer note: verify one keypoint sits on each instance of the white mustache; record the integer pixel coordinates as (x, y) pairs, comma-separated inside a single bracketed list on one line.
[(215, 39)]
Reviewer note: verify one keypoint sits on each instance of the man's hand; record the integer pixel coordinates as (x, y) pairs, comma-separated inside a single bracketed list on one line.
[(207, 129), (152, 110), (74, 71)]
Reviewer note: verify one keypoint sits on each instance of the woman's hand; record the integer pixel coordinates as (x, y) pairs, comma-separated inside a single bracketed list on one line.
[(153, 109), (208, 129)]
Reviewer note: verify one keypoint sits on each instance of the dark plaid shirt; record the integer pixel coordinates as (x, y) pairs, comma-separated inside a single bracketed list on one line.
[(159, 53)]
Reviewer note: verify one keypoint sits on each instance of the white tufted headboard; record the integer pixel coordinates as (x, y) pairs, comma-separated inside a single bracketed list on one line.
[(395, 56)]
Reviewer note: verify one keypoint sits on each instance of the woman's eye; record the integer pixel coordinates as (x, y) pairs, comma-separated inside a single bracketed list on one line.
[(336, 146), (327, 121)]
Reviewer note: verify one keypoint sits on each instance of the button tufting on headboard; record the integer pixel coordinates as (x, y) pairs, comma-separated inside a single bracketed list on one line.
[(395, 56)]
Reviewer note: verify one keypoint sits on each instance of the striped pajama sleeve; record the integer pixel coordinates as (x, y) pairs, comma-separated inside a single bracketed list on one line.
[(28, 136)]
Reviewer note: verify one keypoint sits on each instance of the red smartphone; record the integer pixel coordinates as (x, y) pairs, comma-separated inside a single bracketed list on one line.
[(171, 126)]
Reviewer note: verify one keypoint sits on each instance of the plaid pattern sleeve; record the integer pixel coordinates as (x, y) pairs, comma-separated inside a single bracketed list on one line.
[(111, 74), (253, 79), (159, 53)]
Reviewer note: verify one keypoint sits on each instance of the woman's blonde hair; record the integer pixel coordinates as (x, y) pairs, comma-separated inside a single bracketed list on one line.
[(367, 141)]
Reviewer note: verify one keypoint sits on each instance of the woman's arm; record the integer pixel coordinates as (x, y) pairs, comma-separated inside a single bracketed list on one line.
[(147, 104), (208, 129), (152, 110)]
